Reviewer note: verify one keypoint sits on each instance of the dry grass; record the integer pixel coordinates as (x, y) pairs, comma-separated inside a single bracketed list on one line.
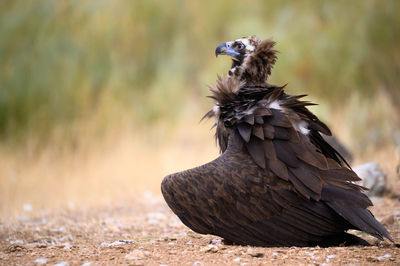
[(125, 165), (130, 160)]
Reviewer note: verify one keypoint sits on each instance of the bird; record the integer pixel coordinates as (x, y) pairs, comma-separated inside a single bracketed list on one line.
[(277, 182)]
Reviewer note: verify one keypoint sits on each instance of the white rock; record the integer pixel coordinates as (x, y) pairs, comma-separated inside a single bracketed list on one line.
[(17, 241), (329, 257), (157, 216), (115, 243), (311, 254), (372, 177), (210, 248), (215, 241), (148, 194), (386, 256), (63, 263), (59, 230), (27, 207), (135, 255), (41, 261)]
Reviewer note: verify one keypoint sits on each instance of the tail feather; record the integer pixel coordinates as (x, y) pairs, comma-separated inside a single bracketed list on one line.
[(353, 209)]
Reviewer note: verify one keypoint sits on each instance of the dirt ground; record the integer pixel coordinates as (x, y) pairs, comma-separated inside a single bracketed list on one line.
[(145, 232)]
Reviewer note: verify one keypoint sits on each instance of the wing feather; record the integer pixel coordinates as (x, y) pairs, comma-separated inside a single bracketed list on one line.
[(269, 131), (255, 148), (272, 185), (245, 131), (258, 132), (285, 154)]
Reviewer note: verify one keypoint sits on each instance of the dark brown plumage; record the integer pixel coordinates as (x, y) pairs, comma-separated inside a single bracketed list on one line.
[(277, 182)]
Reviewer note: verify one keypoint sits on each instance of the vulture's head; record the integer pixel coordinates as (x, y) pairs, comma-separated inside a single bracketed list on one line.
[(252, 59), (238, 49)]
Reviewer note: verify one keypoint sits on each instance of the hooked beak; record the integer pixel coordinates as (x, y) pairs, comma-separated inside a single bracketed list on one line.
[(226, 48)]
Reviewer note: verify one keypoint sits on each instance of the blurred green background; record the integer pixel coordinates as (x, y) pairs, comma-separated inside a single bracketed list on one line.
[(100, 99), (64, 63)]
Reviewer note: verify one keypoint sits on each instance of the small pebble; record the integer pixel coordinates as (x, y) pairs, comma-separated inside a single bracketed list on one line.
[(386, 256), (210, 248), (116, 243), (27, 207), (63, 263), (215, 241), (257, 255), (135, 255), (41, 261)]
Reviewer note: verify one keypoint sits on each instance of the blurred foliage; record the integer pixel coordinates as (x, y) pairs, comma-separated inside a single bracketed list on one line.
[(63, 62)]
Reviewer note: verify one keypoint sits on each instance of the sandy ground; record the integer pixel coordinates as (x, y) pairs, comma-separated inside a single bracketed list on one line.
[(93, 209), (145, 232)]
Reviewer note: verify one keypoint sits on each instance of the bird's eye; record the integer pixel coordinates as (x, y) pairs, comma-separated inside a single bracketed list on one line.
[(239, 45)]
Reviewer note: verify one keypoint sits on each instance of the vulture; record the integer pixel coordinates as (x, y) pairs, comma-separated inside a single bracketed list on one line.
[(277, 181)]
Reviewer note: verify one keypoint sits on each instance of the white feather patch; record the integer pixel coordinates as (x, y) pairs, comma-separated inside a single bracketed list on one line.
[(246, 43), (250, 111), (275, 105), (301, 126), (250, 48), (232, 70), (216, 111)]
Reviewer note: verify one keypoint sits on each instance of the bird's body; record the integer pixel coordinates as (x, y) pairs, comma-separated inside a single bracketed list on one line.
[(277, 182)]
